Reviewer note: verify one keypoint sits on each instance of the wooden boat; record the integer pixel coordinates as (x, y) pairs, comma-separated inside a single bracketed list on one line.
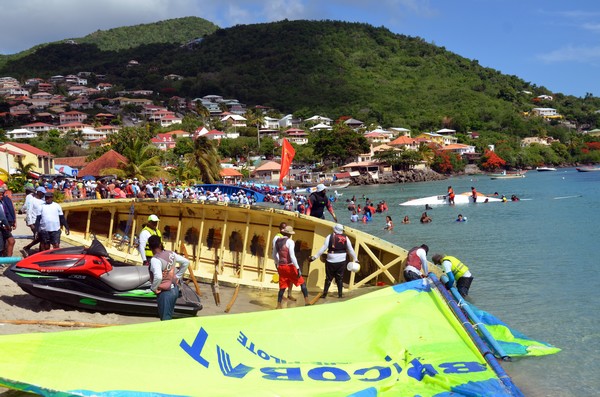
[(588, 169), (232, 241), (463, 198)]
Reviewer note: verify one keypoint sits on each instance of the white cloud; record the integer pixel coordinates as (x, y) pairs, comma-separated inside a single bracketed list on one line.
[(572, 54), (593, 27)]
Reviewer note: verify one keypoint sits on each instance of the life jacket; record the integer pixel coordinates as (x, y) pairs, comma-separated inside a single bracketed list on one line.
[(413, 259), (458, 268), (337, 243), (317, 203), (167, 261), (147, 249), (283, 251)]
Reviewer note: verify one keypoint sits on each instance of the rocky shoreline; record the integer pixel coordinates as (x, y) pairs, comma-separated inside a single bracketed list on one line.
[(399, 177)]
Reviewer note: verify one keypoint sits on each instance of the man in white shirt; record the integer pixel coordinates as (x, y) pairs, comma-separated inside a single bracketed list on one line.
[(49, 222), (33, 210)]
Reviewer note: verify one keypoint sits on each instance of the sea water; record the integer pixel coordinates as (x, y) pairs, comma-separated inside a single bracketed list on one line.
[(535, 262)]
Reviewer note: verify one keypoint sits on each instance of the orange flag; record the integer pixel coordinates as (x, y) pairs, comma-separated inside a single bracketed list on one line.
[(287, 155)]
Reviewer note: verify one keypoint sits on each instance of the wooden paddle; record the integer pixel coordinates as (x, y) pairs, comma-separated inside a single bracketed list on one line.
[(184, 253), (233, 298)]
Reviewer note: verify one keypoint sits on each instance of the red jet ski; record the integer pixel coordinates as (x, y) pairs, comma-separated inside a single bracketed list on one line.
[(88, 278)]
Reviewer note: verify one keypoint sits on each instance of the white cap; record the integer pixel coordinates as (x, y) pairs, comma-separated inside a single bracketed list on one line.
[(153, 218), (339, 229), (320, 187)]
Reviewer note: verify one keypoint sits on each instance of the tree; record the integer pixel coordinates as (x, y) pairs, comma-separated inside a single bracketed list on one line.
[(205, 160), (255, 117), (338, 145), (490, 161), (143, 162)]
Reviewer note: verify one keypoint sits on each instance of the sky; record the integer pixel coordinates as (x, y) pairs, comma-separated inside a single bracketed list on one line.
[(551, 43)]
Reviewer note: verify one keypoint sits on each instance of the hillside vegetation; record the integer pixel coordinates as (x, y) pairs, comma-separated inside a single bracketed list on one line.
[(317, 67), (178, 31)]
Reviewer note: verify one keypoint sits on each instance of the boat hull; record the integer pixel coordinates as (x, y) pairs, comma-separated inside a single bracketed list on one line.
[(464, 198), (587, 169), (508, 176), (233, 242)]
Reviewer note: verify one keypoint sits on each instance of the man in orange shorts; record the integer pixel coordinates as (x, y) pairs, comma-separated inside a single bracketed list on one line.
[(287, 265)]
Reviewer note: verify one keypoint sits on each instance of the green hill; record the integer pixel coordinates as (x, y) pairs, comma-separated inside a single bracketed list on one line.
[(326, 67), (179, 31)]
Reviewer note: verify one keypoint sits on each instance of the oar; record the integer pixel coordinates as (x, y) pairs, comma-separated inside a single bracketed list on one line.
[(316, 298), (233, 298), (193, 277)]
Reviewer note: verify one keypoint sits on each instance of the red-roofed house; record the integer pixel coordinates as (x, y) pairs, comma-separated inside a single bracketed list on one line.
[(72, 117), (405, 142), (8, 159), (38, 127), (164, 141), (43, 161), (231, 176), (110, 159), (297, 136)]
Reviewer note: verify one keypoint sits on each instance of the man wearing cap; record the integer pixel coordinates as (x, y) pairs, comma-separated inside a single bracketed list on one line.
[(49, 222), (7, 207), (317, 202), (34, 209), (282, 227), (338, 247), (455, 270), (165, 277), (417, 266), (287, 265), (150, 229)]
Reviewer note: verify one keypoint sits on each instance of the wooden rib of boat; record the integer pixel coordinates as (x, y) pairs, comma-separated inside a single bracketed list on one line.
[(233, 240)]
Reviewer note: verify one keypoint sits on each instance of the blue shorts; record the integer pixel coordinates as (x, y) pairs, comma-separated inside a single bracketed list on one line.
[(50, 237)]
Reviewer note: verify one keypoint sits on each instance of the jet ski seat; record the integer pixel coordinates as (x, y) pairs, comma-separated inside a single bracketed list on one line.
[(127, 278)]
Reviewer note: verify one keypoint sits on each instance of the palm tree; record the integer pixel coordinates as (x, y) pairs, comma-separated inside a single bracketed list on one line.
[(205, 159), (142, 162), (427, 153), (255, 117), (203, 112)]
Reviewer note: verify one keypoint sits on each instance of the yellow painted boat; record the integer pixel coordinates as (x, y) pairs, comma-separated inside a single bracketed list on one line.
[(232, 241)]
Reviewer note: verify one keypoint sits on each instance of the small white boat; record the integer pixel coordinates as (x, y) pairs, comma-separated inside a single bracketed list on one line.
[(588, 169), (463, 198), (507, 176), (545, 169)]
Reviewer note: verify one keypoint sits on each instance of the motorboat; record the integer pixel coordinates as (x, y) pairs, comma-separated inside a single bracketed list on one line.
[(463, 198), (588, 169), (87, 278), (545, 169), (508, 175)]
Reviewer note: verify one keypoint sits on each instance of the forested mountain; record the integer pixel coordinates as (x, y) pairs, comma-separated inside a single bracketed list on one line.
[(178, 31), (325, 67)]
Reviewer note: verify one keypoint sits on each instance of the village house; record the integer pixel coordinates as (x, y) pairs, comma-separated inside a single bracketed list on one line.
[(72, 117), (267, 172), (164, 141), (536, 140), (297, 136), (43, 162)]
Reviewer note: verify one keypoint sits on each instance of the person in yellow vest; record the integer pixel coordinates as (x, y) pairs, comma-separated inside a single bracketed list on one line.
[(455, 270), (150, 229)]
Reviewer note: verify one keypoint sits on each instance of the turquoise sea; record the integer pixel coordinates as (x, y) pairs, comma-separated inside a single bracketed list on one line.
[(535, 262)]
